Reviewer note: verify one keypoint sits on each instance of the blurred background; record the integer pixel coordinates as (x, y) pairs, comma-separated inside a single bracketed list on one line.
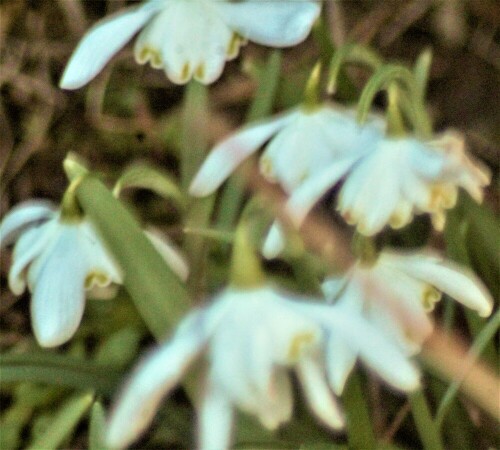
[(132, 113)]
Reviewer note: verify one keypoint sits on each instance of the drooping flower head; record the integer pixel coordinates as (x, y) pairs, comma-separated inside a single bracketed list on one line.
[(395, 294), (190, 38), (61, 260), (252, 338)]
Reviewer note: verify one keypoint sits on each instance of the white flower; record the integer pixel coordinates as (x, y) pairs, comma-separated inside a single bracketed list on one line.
[(302, 143), (309, 151), (251, 339), (403, 177), (60, 261), (395, 294), (190, 38)]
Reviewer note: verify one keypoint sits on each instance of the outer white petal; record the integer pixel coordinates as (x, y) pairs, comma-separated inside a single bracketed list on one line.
[(227, 155), (456, 281), (172, 256), (275, 23), (303, 200), (376, 351), (58, 294), (275, 241), (152, 380), (215, 419), (340, 358), (319, 397), (102, 42), (21, 216), (28, 248)]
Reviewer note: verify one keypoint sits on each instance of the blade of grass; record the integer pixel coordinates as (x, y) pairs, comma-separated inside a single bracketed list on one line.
[(427, 430), (64, 423), (59, 370), (359, 427)]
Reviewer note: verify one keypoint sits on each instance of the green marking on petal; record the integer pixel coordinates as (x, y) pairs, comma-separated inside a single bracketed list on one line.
[(151, 55), (186, 72), (430, 297), (200, 72), (96, 278), (299, 343)]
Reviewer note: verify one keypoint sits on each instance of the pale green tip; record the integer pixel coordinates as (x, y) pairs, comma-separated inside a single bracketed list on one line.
[(311, 92), (74, 166), (246, 270)]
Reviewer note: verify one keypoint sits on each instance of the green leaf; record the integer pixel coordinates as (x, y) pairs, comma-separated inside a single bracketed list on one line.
[(97, 427), (427, 429), (360, 431), (159, 296), (59, 370), (63, 423), (147, 177), (120, 348)]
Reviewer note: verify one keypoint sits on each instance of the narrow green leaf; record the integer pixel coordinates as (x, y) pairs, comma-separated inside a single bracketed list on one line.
[(156, 291), (359, 428), (59, 370), (427, 429), (120, 348), (97, 427), (194, 131), (147, 177), (421, 71), (63, 423)]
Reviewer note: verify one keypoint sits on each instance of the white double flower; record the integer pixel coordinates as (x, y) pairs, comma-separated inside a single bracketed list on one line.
[(190, 38), (394, 294), (251, 339), (61, 260), (387, 180)]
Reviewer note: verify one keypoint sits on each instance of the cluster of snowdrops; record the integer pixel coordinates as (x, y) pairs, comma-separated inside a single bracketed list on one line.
[(387, 168)]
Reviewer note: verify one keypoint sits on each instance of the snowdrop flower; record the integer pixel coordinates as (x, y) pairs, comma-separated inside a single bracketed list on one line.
[(190, 38), (251, 337), (310, 149), (395, 294), (302, 142), (395, 179), (61, 260), (402, 177)]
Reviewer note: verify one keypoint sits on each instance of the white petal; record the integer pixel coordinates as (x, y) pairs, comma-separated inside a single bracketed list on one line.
[(456, 281), (319, 397), (274, 23), (101, 43), (278, 408), (99, 259), (21, 216), (275, 241), (375, 351), (215, 419), (340, 358), (228, 154), (308, 193), (58, 294), (152, 380), (375, 189), (172, 256), (28, 248)]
